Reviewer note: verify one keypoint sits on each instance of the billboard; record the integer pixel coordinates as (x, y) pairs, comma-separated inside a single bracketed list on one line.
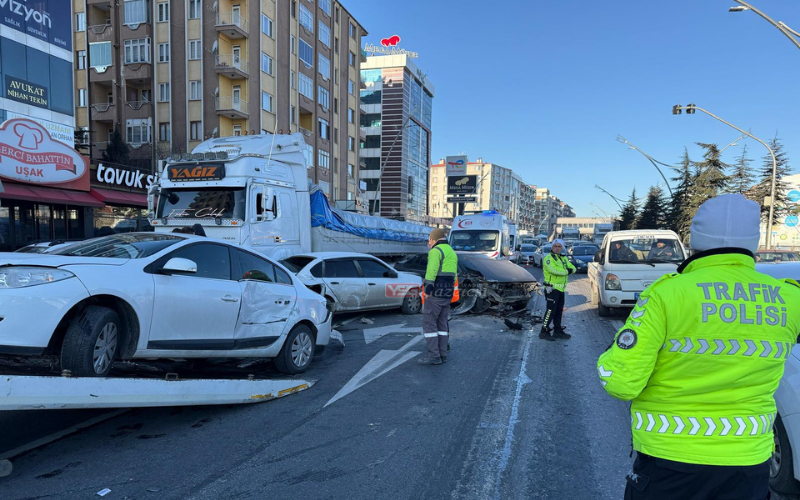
[(456, 165), (48, 20), (465, 184)]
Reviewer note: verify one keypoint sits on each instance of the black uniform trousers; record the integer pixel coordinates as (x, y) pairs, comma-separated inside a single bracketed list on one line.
[(659, 479), (555, 309)]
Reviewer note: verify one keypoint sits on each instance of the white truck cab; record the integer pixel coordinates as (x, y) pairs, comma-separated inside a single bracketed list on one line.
[(630, 261), (485, 232)]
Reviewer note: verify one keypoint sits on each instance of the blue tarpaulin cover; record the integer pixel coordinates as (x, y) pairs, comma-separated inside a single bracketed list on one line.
[(365, 226)]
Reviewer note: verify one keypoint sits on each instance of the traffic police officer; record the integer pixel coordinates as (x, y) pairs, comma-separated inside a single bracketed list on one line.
[(439, 284), (556, 268), (700, 357)]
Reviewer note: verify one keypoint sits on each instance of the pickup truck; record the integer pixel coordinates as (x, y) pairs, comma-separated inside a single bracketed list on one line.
[(630, 261)]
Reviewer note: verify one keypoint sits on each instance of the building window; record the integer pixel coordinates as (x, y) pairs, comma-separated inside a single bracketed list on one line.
[(324, 97), (195, 50), (138, 130), (194, 9), (306, 19), (306, 54), (351, 115), (351, 87), (294, 9), (351, 144), (195, 131), (135, 12), (147, 95), (163, 52), (81, 98), (266, 101), (337, 14), (324, 129), (163, 12), (266, 64), (351, 58), (163, 92), (324, 67), (266, 25), (81, 58), (164, 132), (293, 45), (350, 169), (324, 159), (324, 34), (335, 105), (137, 51), (335, 141), (352, 31), (336, 45), (195, 90), (80, 21), (292, 114), (325, 5), (306, 86), (292, 79), (100, 54)]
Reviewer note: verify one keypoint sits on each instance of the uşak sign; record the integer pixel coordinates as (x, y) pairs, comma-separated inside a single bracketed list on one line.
[(29, 154), (48, 20)]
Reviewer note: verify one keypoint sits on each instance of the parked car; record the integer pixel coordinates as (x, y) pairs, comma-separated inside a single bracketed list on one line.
[(777, 256), (784, 474), (46, 246), (540, 253), (581, 255), (483, 282), (526, 252), (357, 281), (148, 295)]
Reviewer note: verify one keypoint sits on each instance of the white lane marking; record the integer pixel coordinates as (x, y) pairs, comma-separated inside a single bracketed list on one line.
[(381, 363), (505, 453), (373, 334)]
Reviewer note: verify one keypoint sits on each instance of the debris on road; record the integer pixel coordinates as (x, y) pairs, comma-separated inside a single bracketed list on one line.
[(5, 468), (367, 321), (103, 492), (512, 325), (336, 335)]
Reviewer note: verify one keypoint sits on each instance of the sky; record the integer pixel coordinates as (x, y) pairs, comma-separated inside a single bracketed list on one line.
[(546, 87)]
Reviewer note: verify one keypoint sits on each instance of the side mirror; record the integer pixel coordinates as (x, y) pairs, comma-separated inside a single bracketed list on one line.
[(179, 265), (390, 274), (506, 251), (598, 256)]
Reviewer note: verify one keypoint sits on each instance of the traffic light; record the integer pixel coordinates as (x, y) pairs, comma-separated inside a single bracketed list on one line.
[(676, 109), (690, 109)]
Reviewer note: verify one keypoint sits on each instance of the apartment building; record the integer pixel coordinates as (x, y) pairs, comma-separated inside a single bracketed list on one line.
[(547, 210), (397, 102), (169, 74)]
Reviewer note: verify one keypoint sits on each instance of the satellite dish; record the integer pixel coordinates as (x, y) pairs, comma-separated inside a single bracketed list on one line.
[(214, 48), (216, 92), (214, 132), (214, 6)]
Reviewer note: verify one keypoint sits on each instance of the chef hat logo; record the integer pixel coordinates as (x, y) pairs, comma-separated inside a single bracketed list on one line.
[(29, 138)]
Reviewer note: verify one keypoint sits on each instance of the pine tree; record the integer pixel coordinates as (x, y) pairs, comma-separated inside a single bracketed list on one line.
[(678, 209), (655, 210), (742, 178), (711, 177), (762, 190), (116, 151), (630, 213)]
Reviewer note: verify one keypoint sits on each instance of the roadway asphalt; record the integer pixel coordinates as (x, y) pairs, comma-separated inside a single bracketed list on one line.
[(509, 416)]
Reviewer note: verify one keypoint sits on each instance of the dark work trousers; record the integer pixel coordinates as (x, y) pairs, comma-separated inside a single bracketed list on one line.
[(435, 327), (555, 309), (658, 479)]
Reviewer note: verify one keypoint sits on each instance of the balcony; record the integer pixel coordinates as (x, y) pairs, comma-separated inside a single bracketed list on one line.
[(137, 73), (232, 25), (100, 33), (231, 65), (362, 134), (103, 112), (233, 107), (138, 109)]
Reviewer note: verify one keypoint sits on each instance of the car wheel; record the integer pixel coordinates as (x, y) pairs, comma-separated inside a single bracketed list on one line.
[(92, 342), (412, 304), (781, 467), (481, 305), (603, 311), (297, 351)]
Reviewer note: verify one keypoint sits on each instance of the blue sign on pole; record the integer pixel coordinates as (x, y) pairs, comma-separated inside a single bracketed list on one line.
[(791, 221), (794, 196)]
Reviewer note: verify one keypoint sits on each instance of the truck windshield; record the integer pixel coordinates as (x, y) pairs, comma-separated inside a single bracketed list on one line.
[(227, 203), (646, 250), (475, 240)]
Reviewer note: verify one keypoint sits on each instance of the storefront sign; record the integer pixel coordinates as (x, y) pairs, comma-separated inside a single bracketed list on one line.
[(388, 47), (196, 173), (58, 131), (29, 154), (48, 20), (466, 184), (120, 177), (456, 165), (25, 92)]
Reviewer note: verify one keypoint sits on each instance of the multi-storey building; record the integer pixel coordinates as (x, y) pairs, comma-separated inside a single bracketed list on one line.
[(168, 74), (397, 102)]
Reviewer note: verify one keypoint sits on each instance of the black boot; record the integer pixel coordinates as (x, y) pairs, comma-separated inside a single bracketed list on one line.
[(561, 334), (544, 334)]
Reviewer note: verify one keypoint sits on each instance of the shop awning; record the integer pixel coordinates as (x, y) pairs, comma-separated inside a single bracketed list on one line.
[(124, 198), (49, 195)]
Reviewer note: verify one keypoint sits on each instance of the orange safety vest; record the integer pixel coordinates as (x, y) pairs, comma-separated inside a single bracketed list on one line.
[(455, 298)]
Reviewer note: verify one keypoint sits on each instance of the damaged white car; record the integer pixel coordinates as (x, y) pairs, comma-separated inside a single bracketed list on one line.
[(148, 295)]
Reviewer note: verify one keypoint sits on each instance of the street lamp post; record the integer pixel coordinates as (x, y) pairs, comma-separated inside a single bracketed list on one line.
[(652, 160), (616, 200), (789, 32), (690, 109)]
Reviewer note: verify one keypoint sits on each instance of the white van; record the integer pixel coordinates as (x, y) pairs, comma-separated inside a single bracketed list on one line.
[(485, 233), (630, 261)]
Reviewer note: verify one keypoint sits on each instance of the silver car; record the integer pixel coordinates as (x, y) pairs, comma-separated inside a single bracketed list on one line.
[(357, 281)]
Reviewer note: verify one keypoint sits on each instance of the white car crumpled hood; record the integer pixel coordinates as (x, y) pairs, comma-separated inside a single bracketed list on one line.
[(45, 260)]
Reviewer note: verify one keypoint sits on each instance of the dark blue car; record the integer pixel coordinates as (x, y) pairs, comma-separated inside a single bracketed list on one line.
[(581, 255)]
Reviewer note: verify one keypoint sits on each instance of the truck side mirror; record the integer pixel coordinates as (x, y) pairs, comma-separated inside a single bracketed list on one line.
[(598, 256)]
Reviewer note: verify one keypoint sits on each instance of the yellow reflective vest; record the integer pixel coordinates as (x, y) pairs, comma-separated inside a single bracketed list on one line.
[(556, 268), (701, 356)]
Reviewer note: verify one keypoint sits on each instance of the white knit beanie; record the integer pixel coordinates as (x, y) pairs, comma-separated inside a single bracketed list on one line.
[(729, 220)]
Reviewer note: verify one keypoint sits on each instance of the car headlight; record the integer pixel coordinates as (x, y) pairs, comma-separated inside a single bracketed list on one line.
[(20, 277), (612, 282)]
